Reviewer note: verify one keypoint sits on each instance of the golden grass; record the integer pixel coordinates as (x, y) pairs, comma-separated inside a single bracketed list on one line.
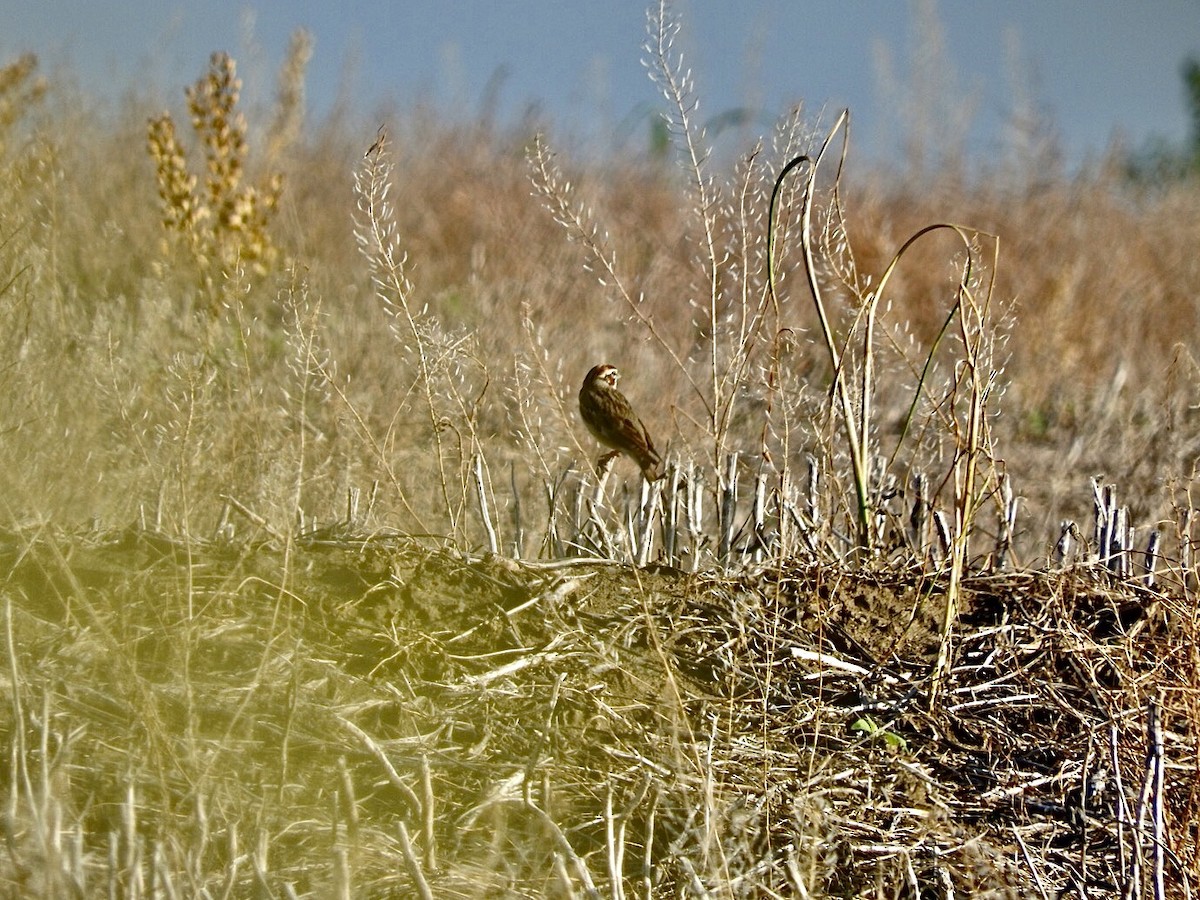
[(365, 717), (307, 338)]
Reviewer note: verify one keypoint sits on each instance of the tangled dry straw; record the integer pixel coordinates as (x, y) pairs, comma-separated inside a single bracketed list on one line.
[(396, 721), (855, 644)]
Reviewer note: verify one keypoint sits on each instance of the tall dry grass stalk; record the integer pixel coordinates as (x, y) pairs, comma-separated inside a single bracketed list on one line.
[(444, 381), (962, 410), (287, 123)]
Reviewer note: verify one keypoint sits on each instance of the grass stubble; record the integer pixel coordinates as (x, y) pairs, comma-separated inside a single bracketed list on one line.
[(311, 588)]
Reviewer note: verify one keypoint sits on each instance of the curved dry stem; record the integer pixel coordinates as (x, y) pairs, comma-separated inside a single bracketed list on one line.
[(877, 295), (855, 440)]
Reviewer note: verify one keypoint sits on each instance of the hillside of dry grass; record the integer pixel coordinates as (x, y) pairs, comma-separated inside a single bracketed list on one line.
[(309, 372), (369, 718)]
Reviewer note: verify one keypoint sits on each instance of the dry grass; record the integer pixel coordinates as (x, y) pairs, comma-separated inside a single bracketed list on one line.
[(364, 717), (301, 338)]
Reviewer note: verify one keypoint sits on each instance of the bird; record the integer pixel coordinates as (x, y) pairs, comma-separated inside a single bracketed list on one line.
[(612, 421)]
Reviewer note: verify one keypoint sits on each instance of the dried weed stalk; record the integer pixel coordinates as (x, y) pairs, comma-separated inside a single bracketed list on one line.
[(440, 366), (223, 222)]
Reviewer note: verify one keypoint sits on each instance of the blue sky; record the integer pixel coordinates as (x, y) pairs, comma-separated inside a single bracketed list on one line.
[(1093, 68)]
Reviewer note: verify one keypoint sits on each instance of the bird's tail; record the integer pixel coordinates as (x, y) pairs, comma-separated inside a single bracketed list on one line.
[(649, 459)]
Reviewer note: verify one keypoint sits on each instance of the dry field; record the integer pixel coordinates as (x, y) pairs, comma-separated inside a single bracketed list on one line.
[(310, 588)]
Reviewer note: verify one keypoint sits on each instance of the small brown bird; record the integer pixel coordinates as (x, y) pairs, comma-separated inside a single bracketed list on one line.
[(611, 420)]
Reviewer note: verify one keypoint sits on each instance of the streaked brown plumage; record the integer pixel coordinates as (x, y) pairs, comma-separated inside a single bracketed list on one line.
[(611, 420)]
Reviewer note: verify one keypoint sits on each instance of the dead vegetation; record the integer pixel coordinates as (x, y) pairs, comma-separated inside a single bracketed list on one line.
[(353, 615), (365, 717)]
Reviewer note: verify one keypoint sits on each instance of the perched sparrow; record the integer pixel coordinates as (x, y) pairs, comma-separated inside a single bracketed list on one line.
[(611, 420)]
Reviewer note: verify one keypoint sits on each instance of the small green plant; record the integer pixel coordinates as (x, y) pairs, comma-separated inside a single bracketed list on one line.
[(868, 727)]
